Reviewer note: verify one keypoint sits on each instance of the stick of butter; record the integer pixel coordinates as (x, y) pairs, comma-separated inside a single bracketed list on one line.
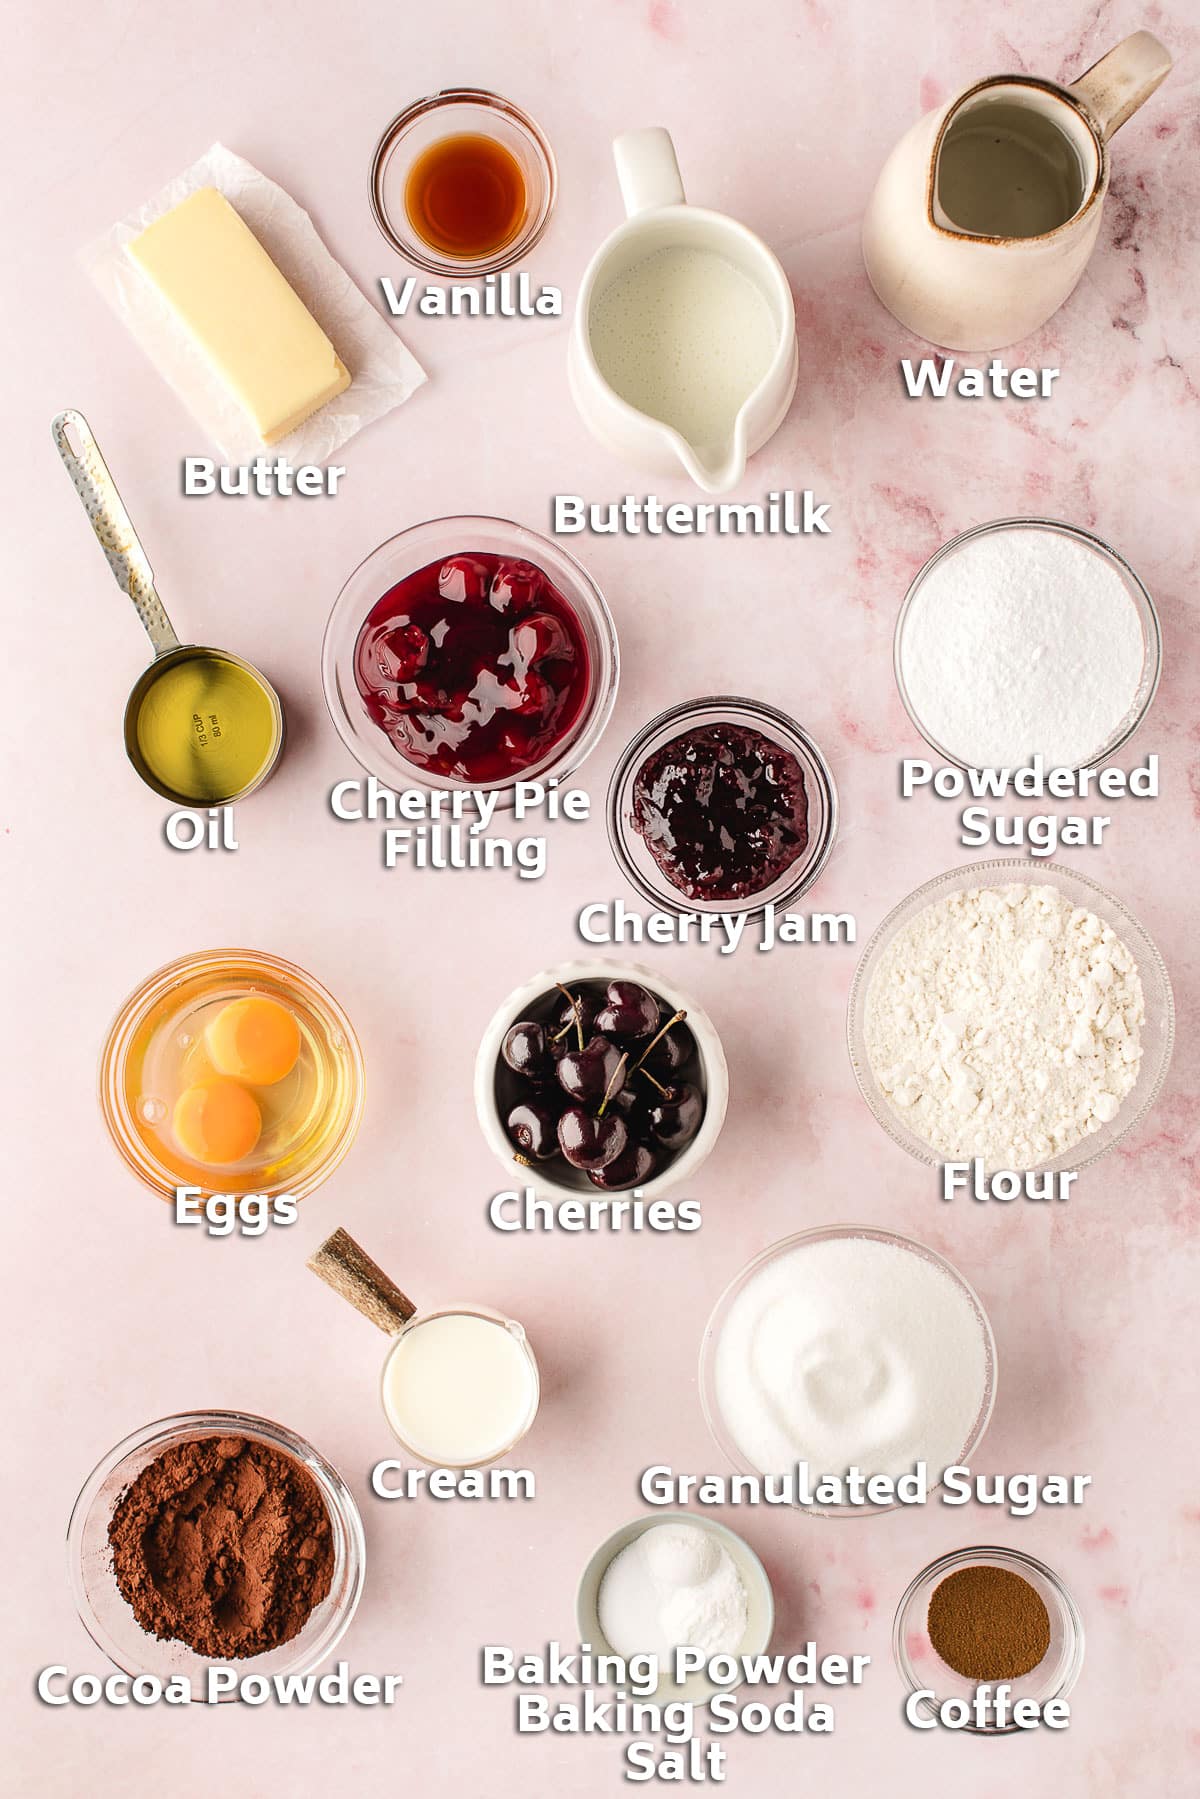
[(259, 338)]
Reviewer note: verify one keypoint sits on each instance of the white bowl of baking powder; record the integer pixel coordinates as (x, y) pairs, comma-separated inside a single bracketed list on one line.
[(733, 1550)]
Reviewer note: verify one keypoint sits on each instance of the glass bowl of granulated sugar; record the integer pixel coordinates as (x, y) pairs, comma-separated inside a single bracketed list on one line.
[(1027, 637), (1014, 1012), (266, 1453)]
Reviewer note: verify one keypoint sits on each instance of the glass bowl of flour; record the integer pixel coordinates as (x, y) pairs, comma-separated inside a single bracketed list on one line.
[(1027, 637), (1014, 1012), (847, 1348)]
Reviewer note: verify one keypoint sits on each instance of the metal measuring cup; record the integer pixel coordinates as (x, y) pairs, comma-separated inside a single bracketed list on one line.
[(76, 444), (345, 1266)]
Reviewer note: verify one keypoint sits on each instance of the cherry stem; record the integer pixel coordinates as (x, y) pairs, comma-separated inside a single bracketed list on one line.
[(647, 1076), (678, 1019), (576, 1018), (617, 1072)]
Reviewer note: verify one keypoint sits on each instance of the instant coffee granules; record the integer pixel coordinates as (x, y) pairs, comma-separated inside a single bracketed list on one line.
[(988, 1623), (223, 1543)]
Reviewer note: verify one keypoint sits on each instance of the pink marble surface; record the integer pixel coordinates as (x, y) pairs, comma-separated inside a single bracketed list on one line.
[(781, 116)]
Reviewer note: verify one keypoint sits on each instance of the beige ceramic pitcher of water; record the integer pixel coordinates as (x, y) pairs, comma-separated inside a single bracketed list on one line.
[(986, 212)]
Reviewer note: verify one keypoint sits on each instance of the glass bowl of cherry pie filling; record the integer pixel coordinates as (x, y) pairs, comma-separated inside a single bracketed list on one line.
[(722, 805), (469, 653)]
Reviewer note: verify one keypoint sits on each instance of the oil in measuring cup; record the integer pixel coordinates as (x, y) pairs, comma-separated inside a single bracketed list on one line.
[(202, 726)]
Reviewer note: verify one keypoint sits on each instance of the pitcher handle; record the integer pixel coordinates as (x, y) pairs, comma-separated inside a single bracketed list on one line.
[(1113, 88), (647, 170)]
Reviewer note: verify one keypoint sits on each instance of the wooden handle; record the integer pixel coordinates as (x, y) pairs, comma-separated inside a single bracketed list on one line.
[(349, 1270)]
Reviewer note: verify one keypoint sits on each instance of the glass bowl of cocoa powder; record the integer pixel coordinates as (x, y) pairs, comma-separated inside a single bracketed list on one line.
[(215, 1541)]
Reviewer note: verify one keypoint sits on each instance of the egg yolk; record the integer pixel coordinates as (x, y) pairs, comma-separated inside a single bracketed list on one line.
[(216, 1121), (254, 1039)]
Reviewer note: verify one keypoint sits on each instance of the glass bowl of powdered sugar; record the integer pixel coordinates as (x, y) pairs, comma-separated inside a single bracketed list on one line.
[(1027, 637), (1014, 1012)]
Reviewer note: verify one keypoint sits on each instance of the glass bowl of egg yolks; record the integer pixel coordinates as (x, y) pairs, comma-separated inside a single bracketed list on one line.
[(234, 1072)]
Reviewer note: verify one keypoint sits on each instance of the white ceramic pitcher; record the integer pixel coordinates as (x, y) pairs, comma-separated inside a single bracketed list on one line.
[(964, 290), (658, 217)]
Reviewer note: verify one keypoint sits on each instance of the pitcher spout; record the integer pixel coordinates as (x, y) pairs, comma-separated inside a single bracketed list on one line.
[(715, 467)]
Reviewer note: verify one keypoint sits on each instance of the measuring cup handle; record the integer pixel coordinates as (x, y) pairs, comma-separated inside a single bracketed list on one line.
[(76, 444), (345, 1265), (1113, 88), (647, 170)]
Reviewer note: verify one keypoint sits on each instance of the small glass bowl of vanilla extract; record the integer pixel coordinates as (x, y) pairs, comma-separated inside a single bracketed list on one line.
[(463, 183)]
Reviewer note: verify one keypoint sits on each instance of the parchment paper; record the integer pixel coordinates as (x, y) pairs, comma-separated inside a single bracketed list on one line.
[(384, 372)]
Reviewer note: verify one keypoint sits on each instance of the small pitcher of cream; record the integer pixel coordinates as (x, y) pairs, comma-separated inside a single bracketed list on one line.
[(460, 1383)]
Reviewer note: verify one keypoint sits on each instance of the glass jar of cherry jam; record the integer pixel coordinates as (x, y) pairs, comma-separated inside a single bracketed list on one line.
[(469, 653), (722, 805)]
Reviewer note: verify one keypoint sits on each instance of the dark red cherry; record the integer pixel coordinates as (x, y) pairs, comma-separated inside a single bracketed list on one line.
[(536, 699), (591, 1073), (671, 1053), (631, 1013), (401, 653), (516, 587), (541, 638), (421, 696), (632, 1168), (675, 1115), (533, 1128), (584, 1007), (632, 1101), (590, 1143), (463, 578), (526, 1049)]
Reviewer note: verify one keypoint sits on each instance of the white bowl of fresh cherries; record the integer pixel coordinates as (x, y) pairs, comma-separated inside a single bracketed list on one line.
[(600, 1076)]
